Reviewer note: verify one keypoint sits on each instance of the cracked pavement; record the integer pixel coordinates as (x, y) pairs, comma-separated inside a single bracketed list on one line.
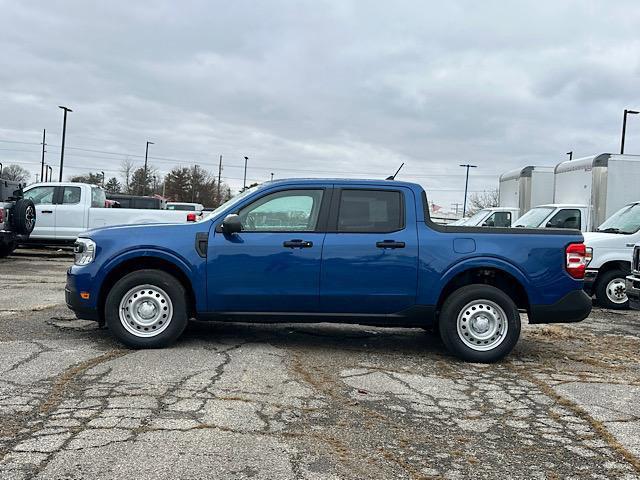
[(316, 401)]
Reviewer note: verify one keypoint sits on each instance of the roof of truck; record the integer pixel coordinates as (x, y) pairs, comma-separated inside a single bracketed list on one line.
[(342, 181)]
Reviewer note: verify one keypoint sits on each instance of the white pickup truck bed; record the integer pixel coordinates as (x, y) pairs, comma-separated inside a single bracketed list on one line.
[(66, 209)]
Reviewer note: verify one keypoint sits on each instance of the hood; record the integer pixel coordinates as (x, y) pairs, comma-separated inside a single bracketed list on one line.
[(595, 238), (148, 230)]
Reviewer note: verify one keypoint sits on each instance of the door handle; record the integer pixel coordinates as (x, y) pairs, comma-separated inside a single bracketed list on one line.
[(390, 244), (47, 211), (297, 244)]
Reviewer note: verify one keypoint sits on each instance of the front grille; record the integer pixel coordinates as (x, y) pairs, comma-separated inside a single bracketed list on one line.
[(635, 264)]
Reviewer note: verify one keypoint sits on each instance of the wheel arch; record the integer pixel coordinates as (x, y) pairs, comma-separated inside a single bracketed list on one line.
[(146, 262), (493, 275)]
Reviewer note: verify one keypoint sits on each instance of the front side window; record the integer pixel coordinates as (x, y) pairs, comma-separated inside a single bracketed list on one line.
[(370, 211), (40, 195), (286, 211), (498, 219), (565, 218), (71, 195)]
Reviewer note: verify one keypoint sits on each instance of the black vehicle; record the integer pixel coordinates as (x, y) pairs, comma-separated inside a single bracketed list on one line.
[(17, 216), (136, 201)]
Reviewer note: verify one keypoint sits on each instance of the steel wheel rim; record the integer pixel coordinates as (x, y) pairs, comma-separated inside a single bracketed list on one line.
[(617, 291), (482, 325), (145, 311)]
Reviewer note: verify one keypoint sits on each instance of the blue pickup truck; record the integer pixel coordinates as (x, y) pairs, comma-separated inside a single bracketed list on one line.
[(311, 250)]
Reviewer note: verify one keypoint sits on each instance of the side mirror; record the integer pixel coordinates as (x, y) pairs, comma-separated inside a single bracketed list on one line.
[(231, 224)]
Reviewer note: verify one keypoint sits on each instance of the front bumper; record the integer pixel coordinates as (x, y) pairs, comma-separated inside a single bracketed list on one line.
[(590, 280), (633, 291), (573, 307), (76, 303)]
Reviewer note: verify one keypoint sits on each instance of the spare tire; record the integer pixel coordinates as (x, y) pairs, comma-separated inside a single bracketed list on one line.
[(24, 216)]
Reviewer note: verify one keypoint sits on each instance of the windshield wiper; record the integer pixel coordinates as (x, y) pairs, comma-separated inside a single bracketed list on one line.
[(610, 230)]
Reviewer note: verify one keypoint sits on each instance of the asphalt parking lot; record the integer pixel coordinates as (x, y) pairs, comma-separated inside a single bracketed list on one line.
[(313, 401)]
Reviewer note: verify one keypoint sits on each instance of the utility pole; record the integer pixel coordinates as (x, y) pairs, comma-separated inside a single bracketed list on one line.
[(193, 183), (570, 155), (146, 155), (244, 183), (64, 134), (466, 187), (44, 137), (219, 175), (456, 206), (624, 127), (102, 179)]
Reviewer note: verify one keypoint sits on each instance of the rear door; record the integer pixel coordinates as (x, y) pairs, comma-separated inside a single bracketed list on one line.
[(370, 253), (43, 198), (70, 212)]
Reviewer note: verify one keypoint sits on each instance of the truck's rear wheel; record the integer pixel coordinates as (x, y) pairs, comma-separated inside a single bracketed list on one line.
[(146, 309), (479, 323), (611, 290)]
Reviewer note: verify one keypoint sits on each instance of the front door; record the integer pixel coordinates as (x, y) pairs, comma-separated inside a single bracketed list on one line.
[(370, 252), (70, 213), (42, 197), (273, 264)]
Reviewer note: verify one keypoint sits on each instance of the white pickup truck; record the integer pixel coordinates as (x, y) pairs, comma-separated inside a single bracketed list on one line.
[(66, 209)]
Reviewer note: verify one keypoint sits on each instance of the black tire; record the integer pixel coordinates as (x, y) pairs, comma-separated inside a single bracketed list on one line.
[(148, 281), (7, 249), (24, 216), (457, 304), (603, 284)]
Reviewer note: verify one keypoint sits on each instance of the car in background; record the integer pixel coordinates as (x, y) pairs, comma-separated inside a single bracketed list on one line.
[(633, 280), (67, 209), (491, 217), (17, 216)]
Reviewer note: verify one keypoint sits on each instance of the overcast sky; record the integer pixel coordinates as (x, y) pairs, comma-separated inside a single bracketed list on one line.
[(320, 88)]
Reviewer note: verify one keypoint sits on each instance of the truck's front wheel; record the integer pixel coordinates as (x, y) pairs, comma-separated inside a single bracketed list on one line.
[(146, 309), (611, 290), (479, 323)]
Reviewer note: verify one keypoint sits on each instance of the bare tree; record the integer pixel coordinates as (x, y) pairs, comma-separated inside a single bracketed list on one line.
[(486, 199), (15, 173), (126, 169)]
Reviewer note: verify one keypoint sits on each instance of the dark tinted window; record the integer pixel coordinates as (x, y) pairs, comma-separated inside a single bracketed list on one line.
[(498, 219), (146, 203), (370, 211), (566, 218)]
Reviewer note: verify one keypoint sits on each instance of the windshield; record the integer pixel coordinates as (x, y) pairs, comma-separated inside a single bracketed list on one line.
[(534, 217), (476, 217), (625, 221), (231, 202)]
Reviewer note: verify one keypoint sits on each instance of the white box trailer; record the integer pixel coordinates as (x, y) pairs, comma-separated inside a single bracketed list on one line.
[(603, 183), (525, 188)]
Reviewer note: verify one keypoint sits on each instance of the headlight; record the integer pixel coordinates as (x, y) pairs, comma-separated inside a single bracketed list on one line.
[(84, 251), (588, 256)]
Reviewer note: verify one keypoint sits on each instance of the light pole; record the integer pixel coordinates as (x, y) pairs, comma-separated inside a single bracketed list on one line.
[(244, 183), (0, 169), (570, 155), (44, 138), (49, 172), (624, 127), (102, 179), (272, 176), (144, 180), (466, 187), (64, 134)]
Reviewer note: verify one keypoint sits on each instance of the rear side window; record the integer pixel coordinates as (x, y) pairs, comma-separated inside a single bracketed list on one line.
[(566, 218), (498, 219), (98, 197), (370, 211), (71, 195)]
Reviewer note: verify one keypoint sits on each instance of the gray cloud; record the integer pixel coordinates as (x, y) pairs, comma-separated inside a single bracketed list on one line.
[(321, 88)]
